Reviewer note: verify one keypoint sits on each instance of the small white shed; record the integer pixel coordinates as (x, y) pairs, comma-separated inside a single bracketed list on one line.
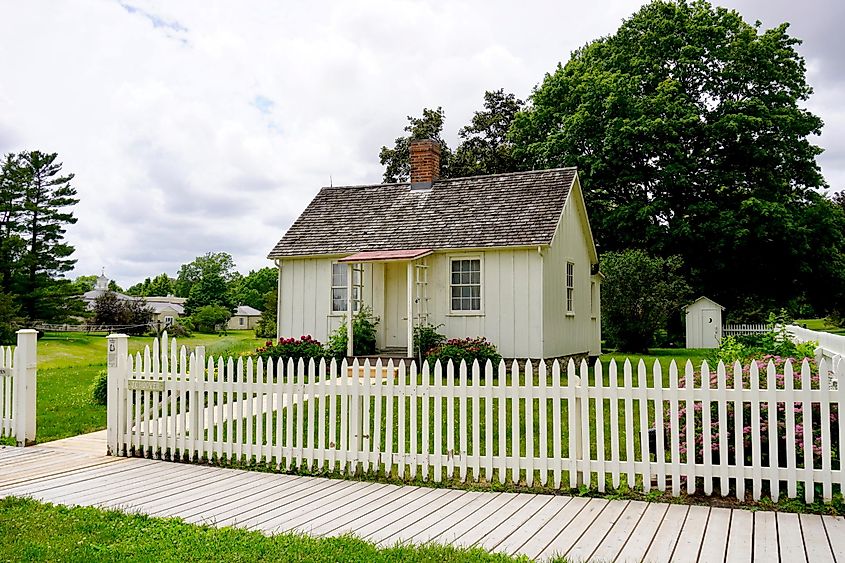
[(704, 323)]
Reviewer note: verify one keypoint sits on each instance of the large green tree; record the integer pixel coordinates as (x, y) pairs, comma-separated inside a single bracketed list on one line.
[(690, 134), (485, 147), (205, 281), (397, 161), (252, 289), (484, 144), (220, 263), (36, 202)]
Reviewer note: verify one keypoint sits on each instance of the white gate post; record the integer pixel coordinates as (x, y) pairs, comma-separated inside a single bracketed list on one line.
[(25, 370), (118, 351)]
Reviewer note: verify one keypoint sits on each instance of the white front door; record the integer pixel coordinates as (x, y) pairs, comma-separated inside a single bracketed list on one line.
[(396, 304), (709, 329)]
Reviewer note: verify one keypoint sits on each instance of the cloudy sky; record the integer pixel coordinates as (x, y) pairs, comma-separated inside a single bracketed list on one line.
[(195, 126)]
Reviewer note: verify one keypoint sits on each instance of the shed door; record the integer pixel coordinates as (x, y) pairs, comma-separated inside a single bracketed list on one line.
[(710, 328), (396, 305)]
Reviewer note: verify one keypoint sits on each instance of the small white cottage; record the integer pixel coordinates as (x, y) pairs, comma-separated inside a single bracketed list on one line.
[(508, 256)]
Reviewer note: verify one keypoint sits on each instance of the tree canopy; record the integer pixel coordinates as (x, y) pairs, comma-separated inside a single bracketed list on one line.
[(396, 161), (691, 138), (35, 209), (485, 147)]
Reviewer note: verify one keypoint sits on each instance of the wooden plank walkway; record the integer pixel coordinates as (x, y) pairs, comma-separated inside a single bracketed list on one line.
[(76, 472)]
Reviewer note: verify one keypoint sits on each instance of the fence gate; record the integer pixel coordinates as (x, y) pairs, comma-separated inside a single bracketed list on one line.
[(17, 388)]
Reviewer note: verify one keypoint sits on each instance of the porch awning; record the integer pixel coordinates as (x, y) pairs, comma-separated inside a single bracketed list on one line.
[(387, 255)]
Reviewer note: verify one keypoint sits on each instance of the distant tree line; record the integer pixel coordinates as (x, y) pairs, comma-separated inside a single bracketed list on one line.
[(693, 144), (214, 290)]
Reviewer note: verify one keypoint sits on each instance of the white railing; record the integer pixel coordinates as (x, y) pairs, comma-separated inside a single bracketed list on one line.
[(535, 424), (745, 329), (17, 388), (830, 347)]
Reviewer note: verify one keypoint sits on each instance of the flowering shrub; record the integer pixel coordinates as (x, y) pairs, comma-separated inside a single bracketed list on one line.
[(426, 339), (466, 349), (363, 336), (748, 436), (304, 347)]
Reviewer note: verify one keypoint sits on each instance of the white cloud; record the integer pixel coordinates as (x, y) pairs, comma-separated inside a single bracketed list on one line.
[(195, 126)]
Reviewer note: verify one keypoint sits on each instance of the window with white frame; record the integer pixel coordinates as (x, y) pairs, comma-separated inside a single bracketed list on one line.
[(570, 287), (466, 284), (339, 287)]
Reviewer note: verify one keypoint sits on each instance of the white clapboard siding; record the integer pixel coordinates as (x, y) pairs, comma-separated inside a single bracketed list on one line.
[(535, 424)]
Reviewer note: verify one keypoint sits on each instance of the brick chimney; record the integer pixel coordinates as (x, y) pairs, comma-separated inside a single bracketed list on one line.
[(425, 162)]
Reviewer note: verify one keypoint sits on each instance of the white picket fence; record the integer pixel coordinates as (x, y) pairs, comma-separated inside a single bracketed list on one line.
[(745, 329), (18, 387), (535, 424)]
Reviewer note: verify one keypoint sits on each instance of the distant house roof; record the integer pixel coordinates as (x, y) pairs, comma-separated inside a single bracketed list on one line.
[(160, 307), (247, 311), (95, 293), (499, 210), (157, 304)]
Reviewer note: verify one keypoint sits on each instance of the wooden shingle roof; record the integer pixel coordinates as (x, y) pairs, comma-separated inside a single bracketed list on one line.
[(499, 210)]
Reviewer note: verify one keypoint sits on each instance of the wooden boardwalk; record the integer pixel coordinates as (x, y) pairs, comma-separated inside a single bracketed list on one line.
[(75, 472)]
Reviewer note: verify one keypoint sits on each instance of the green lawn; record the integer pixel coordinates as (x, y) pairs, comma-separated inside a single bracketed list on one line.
[(256, 426), (90, 534), (69, 362)]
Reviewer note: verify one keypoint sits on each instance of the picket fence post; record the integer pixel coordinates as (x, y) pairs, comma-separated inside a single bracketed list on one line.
[(25, 370), (576, 433), (118, 350)]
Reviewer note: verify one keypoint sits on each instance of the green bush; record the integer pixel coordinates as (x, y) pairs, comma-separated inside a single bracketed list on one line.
[(363, 336), (179, 330), (210, 318), (265, 328), (426, 339), (466, 349), (639, 294), (100, 388)]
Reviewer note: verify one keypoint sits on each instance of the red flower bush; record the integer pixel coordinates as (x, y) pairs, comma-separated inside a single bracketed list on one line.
[(304, 347), (465, 349)]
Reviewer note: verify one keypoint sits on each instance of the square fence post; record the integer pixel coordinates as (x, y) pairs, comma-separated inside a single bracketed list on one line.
[(26, 372), (118, 351)]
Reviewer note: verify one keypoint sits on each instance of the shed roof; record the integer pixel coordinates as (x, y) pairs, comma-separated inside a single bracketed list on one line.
[(499, 210), (703, 298)]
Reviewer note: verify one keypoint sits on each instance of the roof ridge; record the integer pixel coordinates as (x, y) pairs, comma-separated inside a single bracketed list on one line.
[(442, 180)]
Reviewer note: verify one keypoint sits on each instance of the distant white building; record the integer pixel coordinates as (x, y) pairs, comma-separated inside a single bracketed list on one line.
[(245, 318), (165, 309)]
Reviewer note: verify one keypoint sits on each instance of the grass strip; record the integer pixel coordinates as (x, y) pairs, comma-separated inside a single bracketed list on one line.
[(90, 534)]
